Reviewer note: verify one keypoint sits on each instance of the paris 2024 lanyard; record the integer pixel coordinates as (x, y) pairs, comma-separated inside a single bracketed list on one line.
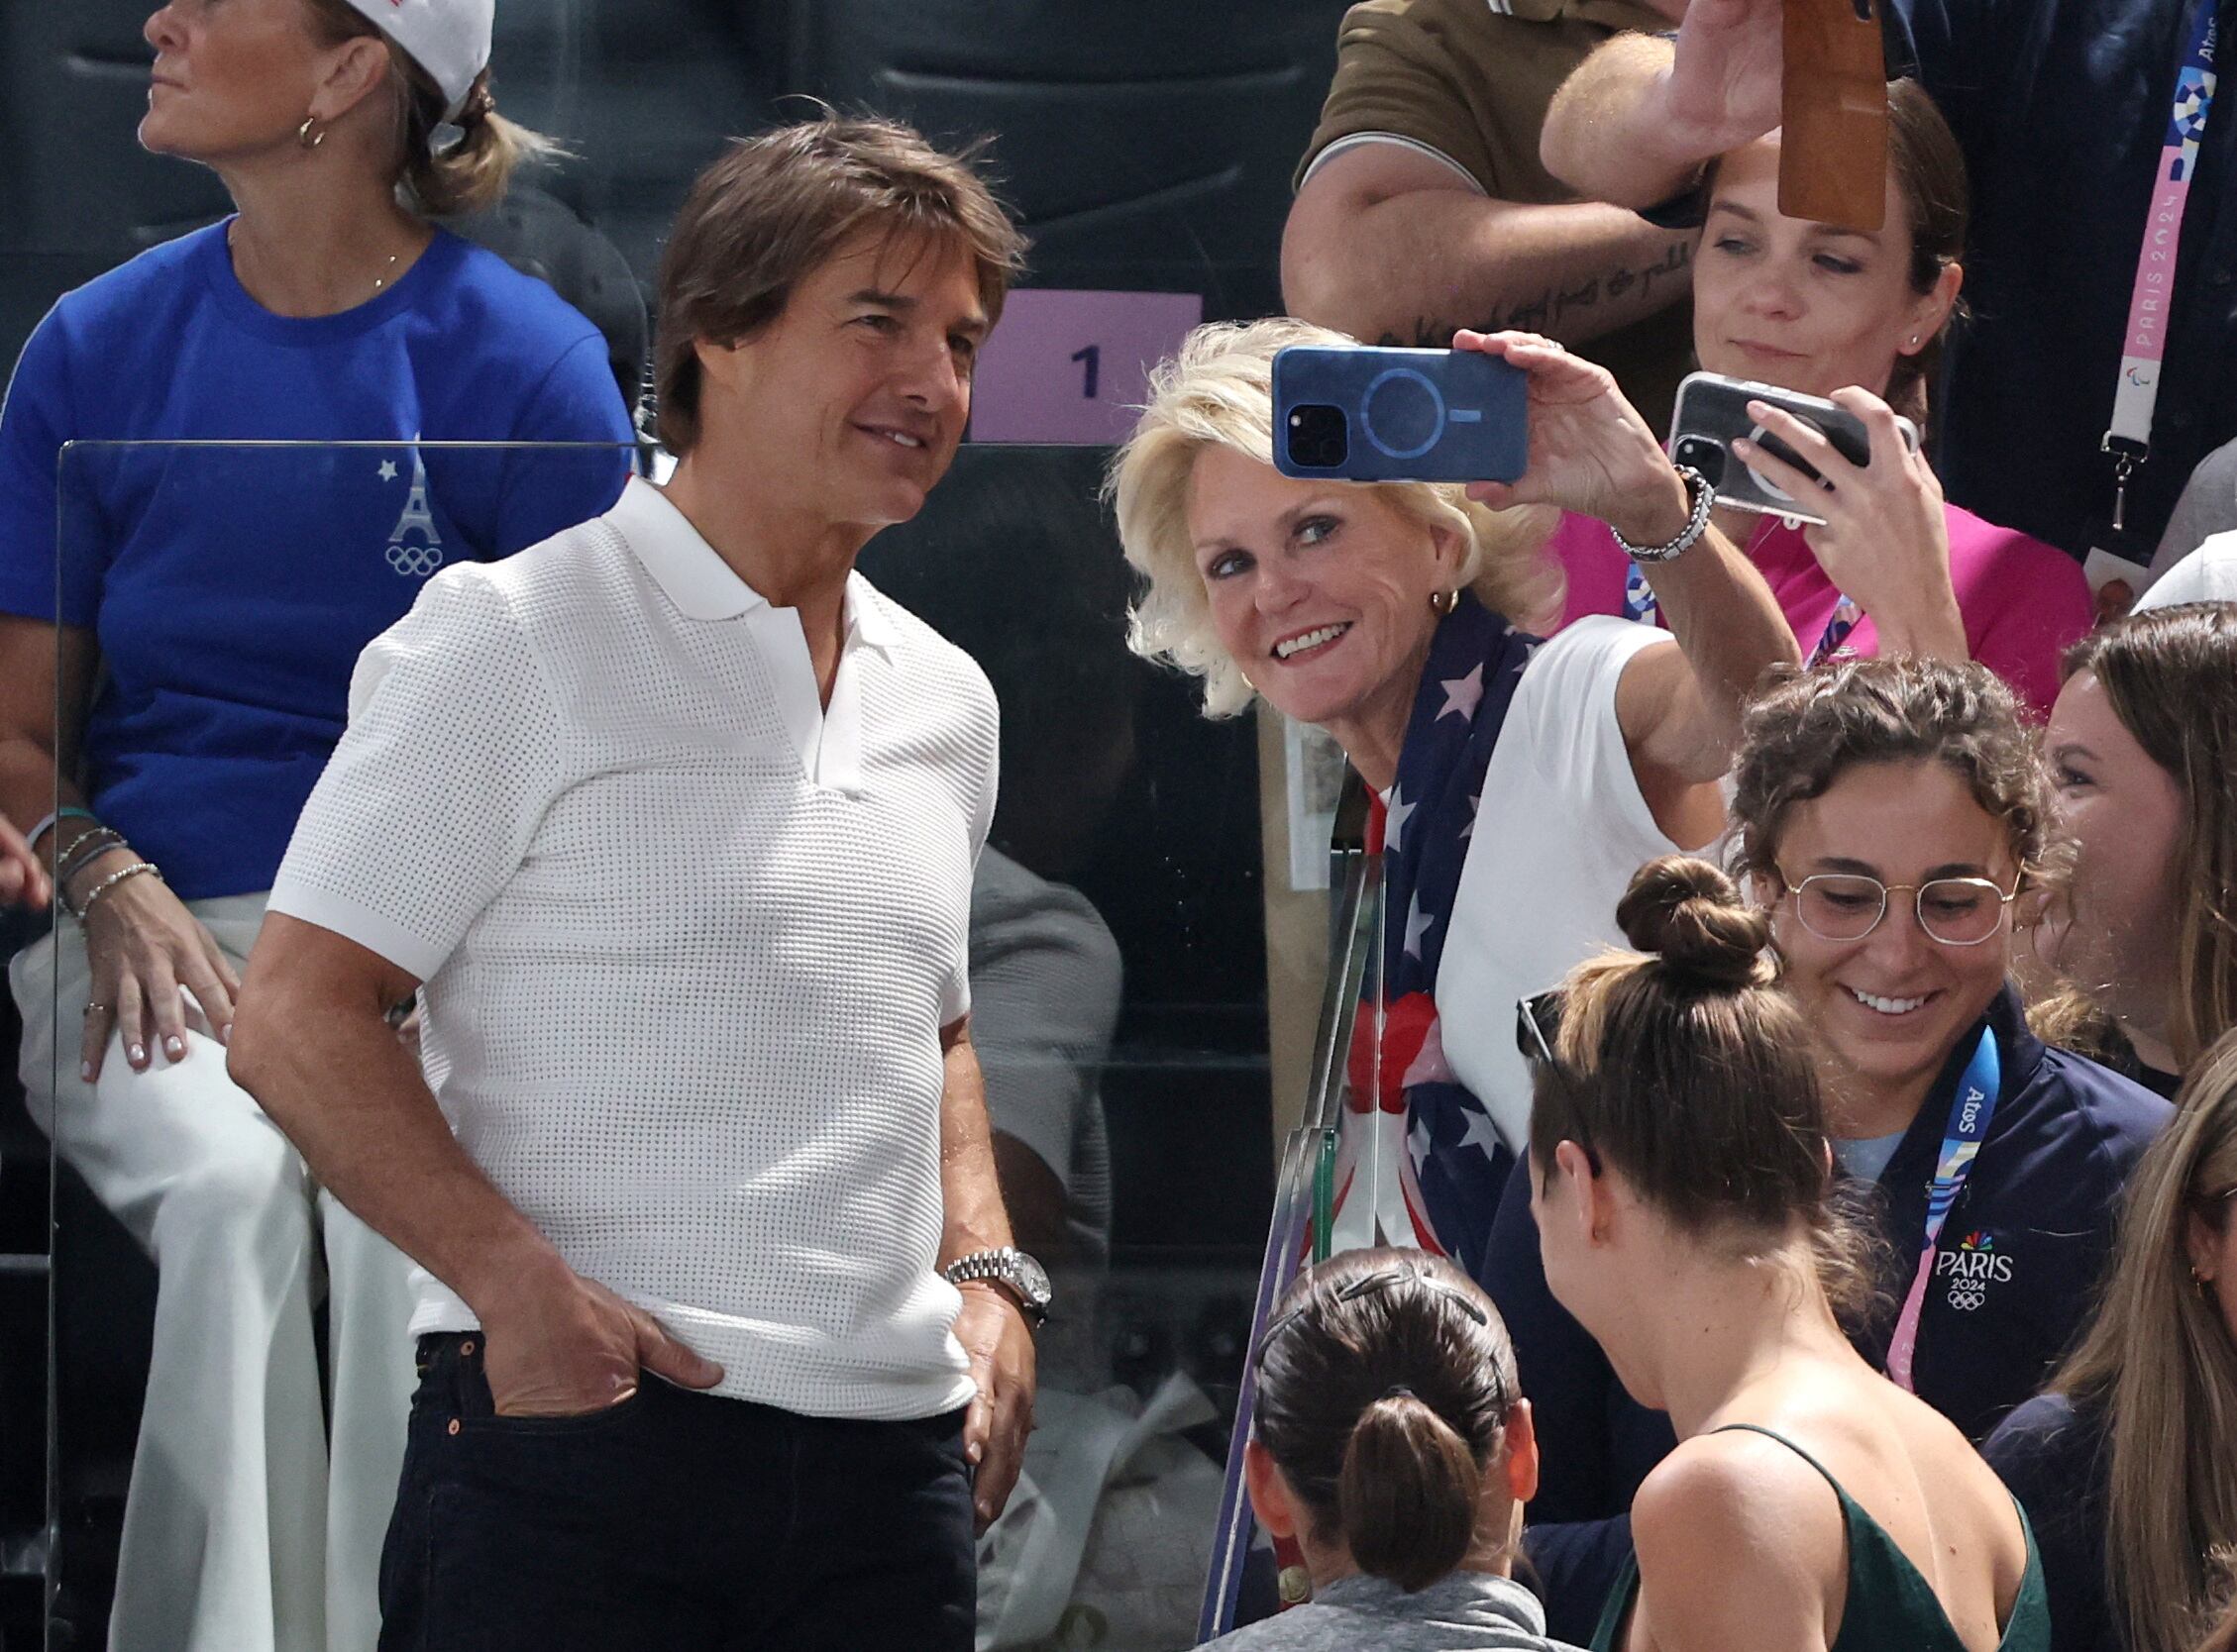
[(2129, 437), (1970, 1110)]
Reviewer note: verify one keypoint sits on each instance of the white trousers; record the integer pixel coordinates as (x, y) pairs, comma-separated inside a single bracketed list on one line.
[(253, 1523)]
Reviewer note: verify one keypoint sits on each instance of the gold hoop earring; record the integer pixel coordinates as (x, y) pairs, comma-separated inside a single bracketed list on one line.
[(1442, 603), (305, 136)]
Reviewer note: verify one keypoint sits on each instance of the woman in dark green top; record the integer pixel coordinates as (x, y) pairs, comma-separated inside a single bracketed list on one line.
[(1681, 1177)]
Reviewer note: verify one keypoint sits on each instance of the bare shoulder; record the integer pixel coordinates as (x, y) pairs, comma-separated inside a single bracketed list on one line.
[(1734, 1484), (1740, 1542)]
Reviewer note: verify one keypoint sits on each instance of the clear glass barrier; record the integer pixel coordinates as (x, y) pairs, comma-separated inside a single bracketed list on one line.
[(1120, 962)]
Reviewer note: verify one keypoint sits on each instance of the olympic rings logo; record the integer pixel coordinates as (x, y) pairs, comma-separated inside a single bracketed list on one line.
[(415, 561), (1966, 1297)]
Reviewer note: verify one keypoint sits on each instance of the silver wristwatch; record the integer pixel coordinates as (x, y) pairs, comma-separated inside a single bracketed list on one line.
[(1006, 1264)]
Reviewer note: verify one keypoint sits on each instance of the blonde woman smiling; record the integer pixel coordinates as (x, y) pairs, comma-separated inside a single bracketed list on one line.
[(1522, 783)]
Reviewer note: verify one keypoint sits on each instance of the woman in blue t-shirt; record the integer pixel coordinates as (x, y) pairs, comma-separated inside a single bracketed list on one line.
[(183, 662), (1887, 813)]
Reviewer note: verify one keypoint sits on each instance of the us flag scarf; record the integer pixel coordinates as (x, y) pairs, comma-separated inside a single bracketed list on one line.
[(1420, 1159)]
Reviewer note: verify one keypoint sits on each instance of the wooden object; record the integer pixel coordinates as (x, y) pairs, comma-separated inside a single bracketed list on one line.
[(1833, 146)]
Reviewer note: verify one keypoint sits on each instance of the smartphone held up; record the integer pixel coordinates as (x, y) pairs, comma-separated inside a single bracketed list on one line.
[(1712, 413), (1366, 413)]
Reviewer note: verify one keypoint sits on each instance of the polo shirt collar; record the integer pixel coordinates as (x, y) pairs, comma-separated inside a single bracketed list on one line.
[(703, 587)]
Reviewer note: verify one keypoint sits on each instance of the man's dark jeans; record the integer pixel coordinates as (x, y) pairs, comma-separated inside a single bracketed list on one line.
[(673, 1520)]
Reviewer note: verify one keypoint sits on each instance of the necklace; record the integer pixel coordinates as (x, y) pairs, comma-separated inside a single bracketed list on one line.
[(387, 270)]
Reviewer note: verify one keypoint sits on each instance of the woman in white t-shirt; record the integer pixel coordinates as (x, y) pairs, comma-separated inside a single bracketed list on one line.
[(1521, 784)]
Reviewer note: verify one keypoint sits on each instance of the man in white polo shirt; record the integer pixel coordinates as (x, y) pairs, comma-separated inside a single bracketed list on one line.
[(671, 820)]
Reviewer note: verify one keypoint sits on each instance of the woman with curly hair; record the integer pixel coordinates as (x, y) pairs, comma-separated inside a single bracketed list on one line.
[(1682, 1174), (1887, 814)]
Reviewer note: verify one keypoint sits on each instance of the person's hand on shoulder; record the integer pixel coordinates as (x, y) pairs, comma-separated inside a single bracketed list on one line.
[(998, 1344), (1885, 541)]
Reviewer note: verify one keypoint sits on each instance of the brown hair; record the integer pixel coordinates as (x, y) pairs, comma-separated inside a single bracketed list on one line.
[(1928, 173), (1808, 728), (776, 205), (1384, 1388), (1683, 1066), (471, 173), (2158, 1358), (2170, 676)]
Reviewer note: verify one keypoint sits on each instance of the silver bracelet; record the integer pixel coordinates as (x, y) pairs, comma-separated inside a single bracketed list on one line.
[(1703, 499), (109, 882)]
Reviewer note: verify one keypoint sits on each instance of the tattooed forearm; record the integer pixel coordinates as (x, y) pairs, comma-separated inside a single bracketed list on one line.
[(1554, 303)]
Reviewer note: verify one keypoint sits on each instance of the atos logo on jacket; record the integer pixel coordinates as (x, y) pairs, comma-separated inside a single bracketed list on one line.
[(1975, 1266)]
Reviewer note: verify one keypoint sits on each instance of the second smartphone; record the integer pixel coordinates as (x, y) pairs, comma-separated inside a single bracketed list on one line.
[(1365, 413), (1712, 411)]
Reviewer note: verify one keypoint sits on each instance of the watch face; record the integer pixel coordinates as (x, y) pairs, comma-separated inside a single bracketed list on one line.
[(1032, 1279)]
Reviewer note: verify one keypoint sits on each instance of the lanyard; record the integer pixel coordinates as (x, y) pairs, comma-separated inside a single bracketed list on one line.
[(1639, 605), (2144, 346), (1970, 1110), (1846, 614)]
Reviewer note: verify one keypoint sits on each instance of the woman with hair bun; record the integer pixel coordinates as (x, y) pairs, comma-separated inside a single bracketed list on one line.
[(174, 682), (1888, 814), (1682, 1173), (1392, 1441)]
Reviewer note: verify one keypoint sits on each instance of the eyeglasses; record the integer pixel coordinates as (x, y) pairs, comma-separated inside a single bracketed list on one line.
[(1847, 906)]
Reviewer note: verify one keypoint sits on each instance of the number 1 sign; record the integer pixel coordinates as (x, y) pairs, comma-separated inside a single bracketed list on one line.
[(1074, 367)]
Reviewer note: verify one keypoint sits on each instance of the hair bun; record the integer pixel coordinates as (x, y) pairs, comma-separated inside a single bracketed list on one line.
[(1690, 915)]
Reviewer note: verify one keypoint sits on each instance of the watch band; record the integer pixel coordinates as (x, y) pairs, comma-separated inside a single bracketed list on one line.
[(1010, 1268), (1703, 499)]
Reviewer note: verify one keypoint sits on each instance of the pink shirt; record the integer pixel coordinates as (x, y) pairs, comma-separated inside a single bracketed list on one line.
[(2022, 600)]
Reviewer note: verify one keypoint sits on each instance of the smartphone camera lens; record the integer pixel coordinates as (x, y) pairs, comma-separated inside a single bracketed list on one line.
[(1704, 456), (1318, 436)]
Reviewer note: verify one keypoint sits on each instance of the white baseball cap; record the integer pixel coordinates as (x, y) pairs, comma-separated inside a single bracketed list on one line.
[(2206, 574), (449, 39)]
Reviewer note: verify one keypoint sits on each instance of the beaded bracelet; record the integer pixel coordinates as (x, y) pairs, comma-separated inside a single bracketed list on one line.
[(85, 848), (109, 882)]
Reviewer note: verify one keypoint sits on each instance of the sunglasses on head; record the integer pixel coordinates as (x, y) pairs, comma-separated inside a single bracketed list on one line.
[(1537, 1027)]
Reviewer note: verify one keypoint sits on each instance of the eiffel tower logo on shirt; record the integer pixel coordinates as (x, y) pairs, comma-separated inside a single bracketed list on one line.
[(414, 562)]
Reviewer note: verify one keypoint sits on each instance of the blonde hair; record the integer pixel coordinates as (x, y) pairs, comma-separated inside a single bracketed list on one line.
[(1218, 389), (468, 175), (2159, 1360)]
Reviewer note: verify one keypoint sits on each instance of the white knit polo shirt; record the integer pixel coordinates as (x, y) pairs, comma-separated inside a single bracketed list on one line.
[(689, 938)]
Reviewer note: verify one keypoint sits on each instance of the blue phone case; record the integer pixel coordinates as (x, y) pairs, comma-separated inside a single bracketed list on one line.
[(1369, 414)]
